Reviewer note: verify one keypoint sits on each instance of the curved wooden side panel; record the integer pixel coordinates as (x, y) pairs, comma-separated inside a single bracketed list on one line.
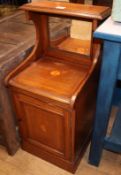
[(40, 21), (96, 60)]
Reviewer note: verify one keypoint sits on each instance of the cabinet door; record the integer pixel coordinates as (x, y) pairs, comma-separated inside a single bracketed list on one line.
[(43, 125)]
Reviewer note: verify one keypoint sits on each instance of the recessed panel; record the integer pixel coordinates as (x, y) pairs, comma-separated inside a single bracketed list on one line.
[(44, 127)]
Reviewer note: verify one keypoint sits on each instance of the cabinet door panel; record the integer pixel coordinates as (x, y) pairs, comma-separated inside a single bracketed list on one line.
[(43, 125)]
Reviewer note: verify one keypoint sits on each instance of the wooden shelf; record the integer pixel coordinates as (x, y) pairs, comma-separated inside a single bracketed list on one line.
[(76, 46), (68, 9)]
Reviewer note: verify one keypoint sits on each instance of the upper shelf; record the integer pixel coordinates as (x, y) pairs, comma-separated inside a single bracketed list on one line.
[(68, 9)]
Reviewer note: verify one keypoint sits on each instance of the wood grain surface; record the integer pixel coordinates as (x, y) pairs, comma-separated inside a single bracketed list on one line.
[(54, 90), (68, 9)]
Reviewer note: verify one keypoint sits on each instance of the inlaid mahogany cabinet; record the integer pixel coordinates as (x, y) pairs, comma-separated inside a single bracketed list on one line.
[(54, 89)]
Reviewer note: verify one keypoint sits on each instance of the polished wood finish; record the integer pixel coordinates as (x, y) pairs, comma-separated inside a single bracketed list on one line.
[(54, 89), (68, 9), (76, 45)]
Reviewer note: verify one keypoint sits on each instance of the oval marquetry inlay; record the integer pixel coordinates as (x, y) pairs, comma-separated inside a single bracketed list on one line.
[(43, 128), (55, 73)]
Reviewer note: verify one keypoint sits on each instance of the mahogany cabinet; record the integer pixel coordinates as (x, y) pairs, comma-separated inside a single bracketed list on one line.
[(54, 89)]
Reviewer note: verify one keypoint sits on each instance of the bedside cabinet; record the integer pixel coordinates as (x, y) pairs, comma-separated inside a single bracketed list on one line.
[(54, 89)]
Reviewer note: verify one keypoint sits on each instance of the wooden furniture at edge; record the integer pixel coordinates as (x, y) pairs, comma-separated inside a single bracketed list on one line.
[(77, 1), (15, 45), (103, 2), (54, 90)]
